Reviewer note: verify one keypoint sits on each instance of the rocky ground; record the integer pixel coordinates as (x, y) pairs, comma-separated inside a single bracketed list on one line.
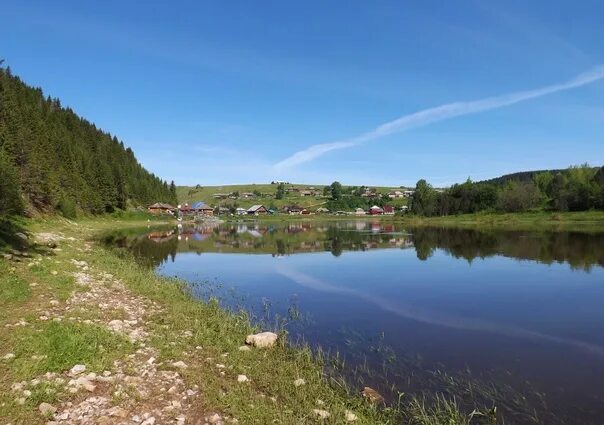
[(137, 389)]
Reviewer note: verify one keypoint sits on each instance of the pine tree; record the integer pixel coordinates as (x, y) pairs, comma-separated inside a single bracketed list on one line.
[(59, 161)]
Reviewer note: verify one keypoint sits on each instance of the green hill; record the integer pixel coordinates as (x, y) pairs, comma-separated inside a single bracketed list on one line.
[(295, 194), (52, 159)]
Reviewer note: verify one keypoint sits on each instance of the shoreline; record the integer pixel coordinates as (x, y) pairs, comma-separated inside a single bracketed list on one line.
[(128, 326), (567, 221)]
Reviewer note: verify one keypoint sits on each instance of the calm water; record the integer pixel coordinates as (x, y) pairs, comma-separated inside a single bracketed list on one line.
[(518, 317)]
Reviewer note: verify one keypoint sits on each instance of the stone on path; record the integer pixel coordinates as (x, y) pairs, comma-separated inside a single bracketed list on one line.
[(83, 382), (8, 356), (180, 365), (299, 382), (321, 414), (77, 369), (47, 409), (242, 378), (215, 419), (349, 416), (262, 339)]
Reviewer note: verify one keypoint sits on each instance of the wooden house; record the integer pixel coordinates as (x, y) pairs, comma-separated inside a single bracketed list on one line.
[(160, 208), (257, 210)]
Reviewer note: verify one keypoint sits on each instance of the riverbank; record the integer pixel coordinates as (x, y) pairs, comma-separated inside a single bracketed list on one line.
[(88, 335), (583, 220)]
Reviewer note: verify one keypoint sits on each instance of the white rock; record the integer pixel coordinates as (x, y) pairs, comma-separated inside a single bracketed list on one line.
[(83, 382), (151, 360), (180, 365), (180, 420), (349, 416), (299, 382), (321, 414), (116, 325), (8, 356), (242, 378), (244, 348), (262, 339), (214, 419), (47, 409), (77, 369), (148, 421)]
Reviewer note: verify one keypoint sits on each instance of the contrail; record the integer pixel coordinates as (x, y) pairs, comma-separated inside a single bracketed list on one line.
[(439, 113)]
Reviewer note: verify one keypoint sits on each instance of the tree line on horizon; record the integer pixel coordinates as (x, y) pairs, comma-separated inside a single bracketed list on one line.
[(579, 188), (52, 160)]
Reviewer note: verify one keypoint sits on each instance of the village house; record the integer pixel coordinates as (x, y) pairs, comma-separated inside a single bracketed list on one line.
[(375, 210), (201, 208), (240, 211), (160, 208), (221, 195), (292, 209), (246, 195), (257, 210), (396, 194), (369, 193), (388, 210), (359, 211), (322, 210), (185, 209)]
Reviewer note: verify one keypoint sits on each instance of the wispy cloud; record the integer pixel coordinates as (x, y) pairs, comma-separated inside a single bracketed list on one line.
[(439, 113)]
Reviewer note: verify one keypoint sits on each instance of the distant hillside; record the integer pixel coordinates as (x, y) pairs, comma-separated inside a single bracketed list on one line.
[(304, 195), (522, 176), (52, 159), (260, 194)]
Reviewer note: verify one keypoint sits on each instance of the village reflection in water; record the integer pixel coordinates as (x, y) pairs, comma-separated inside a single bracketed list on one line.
[(581, 250)]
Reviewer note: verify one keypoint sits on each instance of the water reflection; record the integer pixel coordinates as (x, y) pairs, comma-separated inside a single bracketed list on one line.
[(513, 317), (581, 250)]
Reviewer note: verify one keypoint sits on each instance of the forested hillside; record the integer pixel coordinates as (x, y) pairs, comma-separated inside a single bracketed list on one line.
[(53, 160), (578, 188)]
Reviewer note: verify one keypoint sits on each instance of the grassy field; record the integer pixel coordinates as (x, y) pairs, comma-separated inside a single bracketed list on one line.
[(582, 220), (59, 306), (190, 194)]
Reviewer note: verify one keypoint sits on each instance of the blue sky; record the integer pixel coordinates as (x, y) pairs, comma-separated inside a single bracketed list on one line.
[(212, 92)]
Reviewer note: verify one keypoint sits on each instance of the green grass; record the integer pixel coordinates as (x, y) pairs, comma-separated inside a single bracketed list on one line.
[(12, 288), (61, 345), (582, 220)]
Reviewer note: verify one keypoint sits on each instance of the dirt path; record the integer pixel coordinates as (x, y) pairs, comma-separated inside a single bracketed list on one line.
[(136, 389)]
